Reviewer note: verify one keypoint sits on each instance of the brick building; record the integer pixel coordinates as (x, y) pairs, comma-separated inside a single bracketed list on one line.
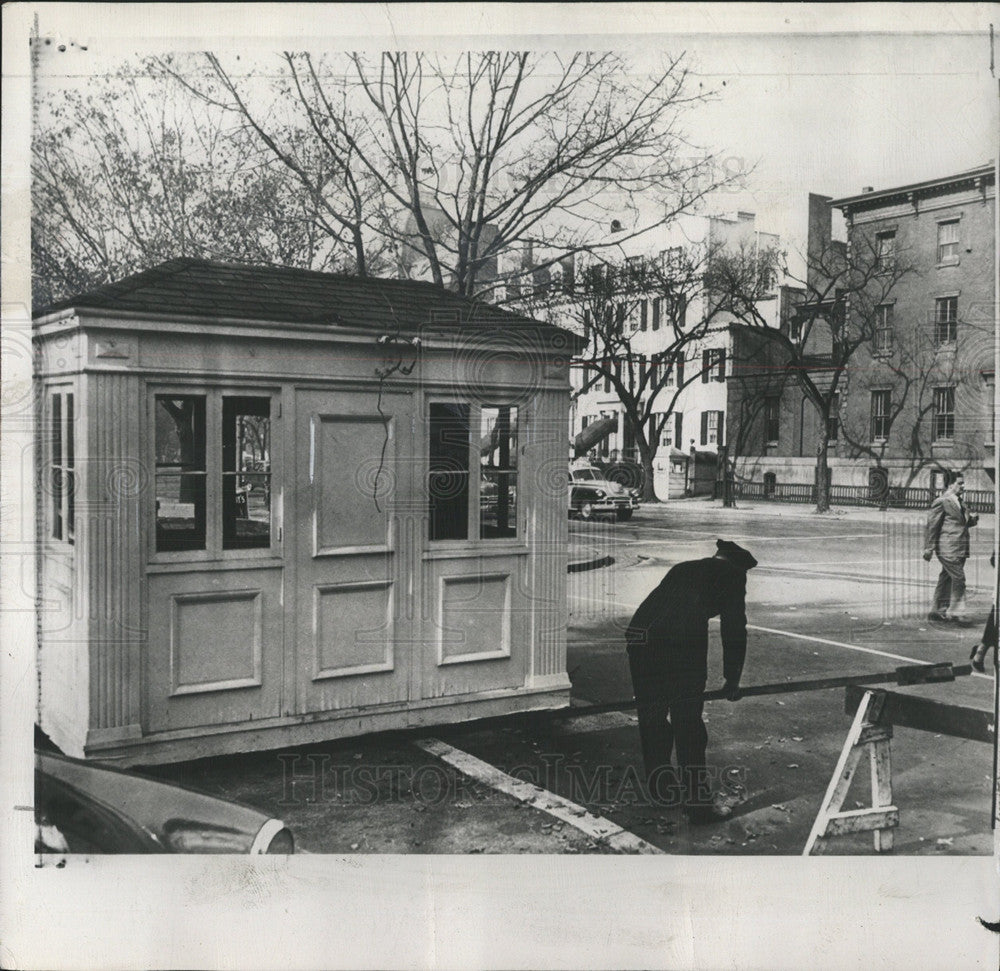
[(917, 394)]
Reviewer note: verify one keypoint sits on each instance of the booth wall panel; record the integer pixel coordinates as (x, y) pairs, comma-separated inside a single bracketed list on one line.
[(546, 468), (115, 491)]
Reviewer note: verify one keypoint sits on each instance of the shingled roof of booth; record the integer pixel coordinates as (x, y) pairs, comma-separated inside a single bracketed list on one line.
[(205, 288)]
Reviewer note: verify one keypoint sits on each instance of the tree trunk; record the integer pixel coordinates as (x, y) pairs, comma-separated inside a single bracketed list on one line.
[(646, 455), (822, 478)]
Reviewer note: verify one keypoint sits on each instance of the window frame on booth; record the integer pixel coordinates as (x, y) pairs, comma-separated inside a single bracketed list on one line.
[(470, 525), (221, 540), (62, 476)]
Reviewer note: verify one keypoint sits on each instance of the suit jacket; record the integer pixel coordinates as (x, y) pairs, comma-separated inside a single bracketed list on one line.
[(673, 619), (947, 532)]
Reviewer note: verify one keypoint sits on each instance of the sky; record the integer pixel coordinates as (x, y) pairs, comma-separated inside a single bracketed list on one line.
[(806, 97)]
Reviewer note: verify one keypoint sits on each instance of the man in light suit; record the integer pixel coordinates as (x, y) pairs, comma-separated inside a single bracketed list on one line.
[(947, 535)]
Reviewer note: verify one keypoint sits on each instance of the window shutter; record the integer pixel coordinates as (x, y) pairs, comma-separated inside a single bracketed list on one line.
[(680, 370), (722, 428), (704, 428), (644, 315), (656, 313), (706, 365), (679, 430), (722, 365)]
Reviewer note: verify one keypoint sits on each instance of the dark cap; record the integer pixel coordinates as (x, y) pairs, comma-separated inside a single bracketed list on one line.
[(735, 554)]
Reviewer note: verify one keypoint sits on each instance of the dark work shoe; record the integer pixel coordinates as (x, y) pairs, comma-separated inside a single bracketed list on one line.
[(706, 815), (936, 615)]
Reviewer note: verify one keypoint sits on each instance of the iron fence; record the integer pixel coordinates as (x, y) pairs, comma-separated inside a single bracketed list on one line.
[(895, 497)]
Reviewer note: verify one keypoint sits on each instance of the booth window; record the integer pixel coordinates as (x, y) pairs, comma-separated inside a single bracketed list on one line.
[(196, 484), (448, 471), (246, 473), (180, 472), (453, 493), (498, 472), (62, 461)]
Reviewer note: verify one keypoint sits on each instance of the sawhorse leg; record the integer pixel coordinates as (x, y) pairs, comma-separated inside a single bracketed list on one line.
[(866, 734)]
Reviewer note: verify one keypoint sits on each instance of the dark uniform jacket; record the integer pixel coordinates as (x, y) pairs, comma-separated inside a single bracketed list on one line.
[(672, 621)]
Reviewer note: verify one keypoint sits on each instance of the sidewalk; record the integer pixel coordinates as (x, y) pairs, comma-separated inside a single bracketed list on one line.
[(787, 509)]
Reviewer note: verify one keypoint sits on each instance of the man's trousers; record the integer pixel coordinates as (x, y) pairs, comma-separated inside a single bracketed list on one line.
[(668, 720)]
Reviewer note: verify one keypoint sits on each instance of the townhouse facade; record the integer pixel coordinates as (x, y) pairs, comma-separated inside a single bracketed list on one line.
[(693, 396), (917, 396)]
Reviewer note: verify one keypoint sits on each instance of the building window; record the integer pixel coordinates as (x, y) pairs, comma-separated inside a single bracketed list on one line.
[(711, 427), (833, 420), (945, 320), (947, 241), (885, 251), (675, 372), (795, 328), (62, 466), (881, 420), (498, 472), (944, 415), (666, 436), (989, 389), (772, 425), (882, 340), (713, 364)]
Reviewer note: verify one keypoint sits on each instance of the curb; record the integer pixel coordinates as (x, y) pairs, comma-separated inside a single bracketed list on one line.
[(598, 828), (580, 565)]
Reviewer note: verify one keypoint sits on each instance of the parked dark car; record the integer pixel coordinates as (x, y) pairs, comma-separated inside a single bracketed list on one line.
[(590, 494), (85, 808)]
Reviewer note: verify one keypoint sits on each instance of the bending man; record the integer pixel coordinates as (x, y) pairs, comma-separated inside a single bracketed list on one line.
[(667, 642)]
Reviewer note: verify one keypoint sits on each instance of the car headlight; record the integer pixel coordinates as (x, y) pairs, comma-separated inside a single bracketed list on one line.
[(601, 494), (188, 836)]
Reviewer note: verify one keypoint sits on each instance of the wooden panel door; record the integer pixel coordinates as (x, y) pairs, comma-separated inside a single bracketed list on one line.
[(353, 549)]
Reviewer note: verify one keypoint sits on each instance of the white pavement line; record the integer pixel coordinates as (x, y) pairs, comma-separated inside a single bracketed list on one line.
[(850, 647), (792, 634), (596, 827)]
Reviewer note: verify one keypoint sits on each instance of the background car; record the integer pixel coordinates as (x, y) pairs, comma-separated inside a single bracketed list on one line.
[(590, 494), (85, 808)]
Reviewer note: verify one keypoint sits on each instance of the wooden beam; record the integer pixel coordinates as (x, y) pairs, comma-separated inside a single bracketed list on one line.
[(862, 821), (924, 714)]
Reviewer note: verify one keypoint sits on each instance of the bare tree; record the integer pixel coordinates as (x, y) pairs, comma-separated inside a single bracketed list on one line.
[(619, 306), (840, 313), (909, 368), (449, 161), (128, 173)]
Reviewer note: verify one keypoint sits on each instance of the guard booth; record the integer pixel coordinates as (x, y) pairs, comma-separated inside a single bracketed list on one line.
[(282, 506)]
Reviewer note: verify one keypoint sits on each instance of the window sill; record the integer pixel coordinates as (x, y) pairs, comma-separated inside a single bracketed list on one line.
[(485, 547), (177, 564), (945, 263)]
